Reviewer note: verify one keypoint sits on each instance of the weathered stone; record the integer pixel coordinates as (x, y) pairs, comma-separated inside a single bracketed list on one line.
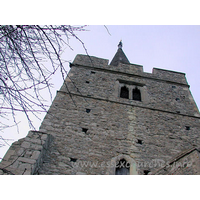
[(27, 172), (62, 164), (80, 173), (117, 125), (15, 164), (35, 155), (28, 153), (26, 160), (146, 131), (36, 147), (20, 151), (24, 167), (36, 141), (25, 144), (5, 163), (30, 134), (8, 154), (44, 136)]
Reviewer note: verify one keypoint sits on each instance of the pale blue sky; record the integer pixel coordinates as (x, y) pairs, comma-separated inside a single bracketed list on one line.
[(174, 48)]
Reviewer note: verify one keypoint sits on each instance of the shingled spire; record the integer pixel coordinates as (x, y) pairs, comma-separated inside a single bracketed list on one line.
[(120, 56)]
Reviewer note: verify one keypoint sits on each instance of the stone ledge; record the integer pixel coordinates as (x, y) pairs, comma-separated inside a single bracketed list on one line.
[(26, 160), (196, 115)]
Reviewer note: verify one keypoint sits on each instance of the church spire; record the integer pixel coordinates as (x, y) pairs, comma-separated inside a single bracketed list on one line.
[(120, 44), (120, 56)]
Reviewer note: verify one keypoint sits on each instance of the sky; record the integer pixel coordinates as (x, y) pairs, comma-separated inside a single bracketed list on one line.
[(174, 47)]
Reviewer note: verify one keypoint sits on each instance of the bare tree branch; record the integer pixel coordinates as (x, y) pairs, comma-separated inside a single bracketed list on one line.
[(107, 30), (23, 51)]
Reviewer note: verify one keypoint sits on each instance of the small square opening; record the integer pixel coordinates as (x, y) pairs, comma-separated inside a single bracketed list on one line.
[(187, 128), (84, 130), (88, 110), (146, 172), (139, 141), (73, 159)]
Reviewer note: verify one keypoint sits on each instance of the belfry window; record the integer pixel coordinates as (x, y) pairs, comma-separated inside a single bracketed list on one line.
[(136, 94), (122, 168), (124, 93)]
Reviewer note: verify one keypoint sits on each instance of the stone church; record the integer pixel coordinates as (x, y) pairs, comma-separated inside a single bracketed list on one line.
[(113, 119)]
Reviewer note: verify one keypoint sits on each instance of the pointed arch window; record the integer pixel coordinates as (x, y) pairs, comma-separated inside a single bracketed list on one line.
[(122, 168), (136, 94), (124, 93)]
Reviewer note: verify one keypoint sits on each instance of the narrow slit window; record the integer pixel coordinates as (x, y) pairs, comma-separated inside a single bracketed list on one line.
[(122, 168), (124, 93), (136, 94)]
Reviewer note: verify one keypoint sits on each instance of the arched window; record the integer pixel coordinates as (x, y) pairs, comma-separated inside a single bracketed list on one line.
[(124, 92), (122, 168), (136, 94)]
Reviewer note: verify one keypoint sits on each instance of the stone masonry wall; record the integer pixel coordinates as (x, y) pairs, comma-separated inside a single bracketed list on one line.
[(133, 69), (112, 129), (163, 95), (92, 126), (187, 163), (25, 156)]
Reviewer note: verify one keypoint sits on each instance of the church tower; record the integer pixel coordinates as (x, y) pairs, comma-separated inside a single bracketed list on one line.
[(113, 119)]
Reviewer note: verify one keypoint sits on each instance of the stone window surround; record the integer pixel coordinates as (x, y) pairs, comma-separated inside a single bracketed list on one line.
[(115, 160), (143, 91), (130, 88), (122, 168), (131, 85)]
